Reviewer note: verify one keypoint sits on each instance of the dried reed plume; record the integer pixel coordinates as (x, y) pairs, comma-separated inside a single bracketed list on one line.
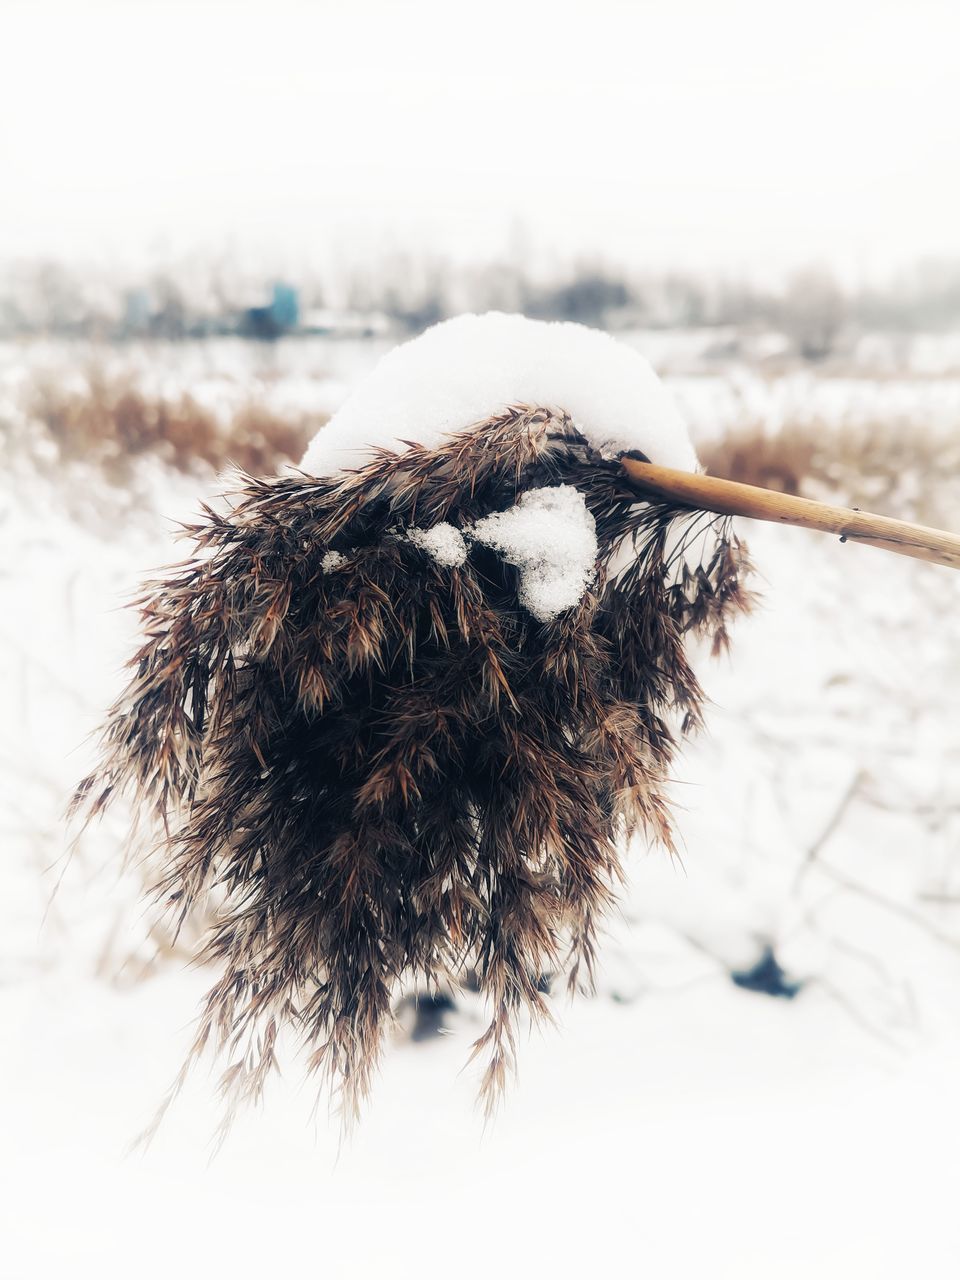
[(391, 771)]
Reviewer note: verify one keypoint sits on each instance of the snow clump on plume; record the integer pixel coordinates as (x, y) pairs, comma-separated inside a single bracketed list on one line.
[(465, 370), (443, 542), (552, 539), (549, 535)]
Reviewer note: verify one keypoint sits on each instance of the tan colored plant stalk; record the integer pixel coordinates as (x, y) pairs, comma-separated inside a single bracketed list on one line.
[(728, 497)]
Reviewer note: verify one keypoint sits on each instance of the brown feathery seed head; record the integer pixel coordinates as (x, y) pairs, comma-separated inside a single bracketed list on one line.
[(378, 766)]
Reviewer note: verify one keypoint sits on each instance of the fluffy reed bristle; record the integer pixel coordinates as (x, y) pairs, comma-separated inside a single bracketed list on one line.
[(386, 768)]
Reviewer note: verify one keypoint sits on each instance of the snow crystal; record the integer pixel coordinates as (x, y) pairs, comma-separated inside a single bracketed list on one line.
[(464, 370), (443, 542), (552, 539), (332, 560)]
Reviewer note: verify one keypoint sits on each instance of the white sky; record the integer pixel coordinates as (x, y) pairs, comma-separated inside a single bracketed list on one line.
[(741, 134)]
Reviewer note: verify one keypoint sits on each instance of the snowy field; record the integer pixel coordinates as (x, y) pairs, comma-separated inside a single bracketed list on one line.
[(719, 377), (681, 1123)]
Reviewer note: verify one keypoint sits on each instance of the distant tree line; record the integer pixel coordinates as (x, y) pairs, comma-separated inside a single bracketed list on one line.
[(405, 293)]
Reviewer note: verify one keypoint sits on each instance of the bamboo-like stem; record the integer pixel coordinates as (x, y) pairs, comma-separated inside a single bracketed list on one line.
[(729, 497)]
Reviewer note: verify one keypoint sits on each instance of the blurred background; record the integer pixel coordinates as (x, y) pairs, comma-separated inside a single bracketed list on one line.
[(215, 218)]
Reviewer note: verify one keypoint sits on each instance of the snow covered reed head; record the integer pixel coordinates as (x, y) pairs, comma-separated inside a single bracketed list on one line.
[(397, 722), (464, 370)]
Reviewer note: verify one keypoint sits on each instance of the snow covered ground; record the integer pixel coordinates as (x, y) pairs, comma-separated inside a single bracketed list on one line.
[(677, 1125)]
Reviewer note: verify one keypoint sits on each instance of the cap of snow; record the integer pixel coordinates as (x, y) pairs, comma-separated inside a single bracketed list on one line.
[(467, 369), (552, 539), (443, 542)]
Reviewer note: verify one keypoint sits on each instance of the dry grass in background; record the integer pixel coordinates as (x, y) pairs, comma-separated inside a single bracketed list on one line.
[(897, 468), (111, 422)]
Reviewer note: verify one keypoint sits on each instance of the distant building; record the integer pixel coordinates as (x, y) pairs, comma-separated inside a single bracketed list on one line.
[(285, 308), (137, 311), (280, 316)]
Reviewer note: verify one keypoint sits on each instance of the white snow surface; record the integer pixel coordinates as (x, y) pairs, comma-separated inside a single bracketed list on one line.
[(680, 1125), (552, 539), (464, 370), (445, 543)]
